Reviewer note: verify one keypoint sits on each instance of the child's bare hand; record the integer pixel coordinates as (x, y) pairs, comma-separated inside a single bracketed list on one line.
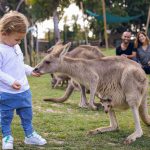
[(16, 85), (35, 74)]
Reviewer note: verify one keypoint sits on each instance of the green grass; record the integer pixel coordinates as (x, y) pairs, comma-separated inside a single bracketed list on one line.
[(65, 125), (109, 52)]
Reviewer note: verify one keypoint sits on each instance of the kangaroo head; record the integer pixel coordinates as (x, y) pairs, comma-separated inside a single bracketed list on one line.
[(106, 104), (51, 62)]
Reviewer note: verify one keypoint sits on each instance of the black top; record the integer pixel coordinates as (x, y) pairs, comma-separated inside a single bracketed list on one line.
[(128, 51)]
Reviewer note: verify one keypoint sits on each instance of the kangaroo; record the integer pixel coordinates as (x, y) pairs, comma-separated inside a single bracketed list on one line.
[(117, 78), (82, 51), (106, 104), (59, 80)]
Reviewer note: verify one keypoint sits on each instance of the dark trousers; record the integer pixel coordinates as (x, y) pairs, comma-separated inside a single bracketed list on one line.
[(146, 69)]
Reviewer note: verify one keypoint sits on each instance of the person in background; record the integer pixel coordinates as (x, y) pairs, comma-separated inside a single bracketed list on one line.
[(126, 49), (142, 44), (15, 92)]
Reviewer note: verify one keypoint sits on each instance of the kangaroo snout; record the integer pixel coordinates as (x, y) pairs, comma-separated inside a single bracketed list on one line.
[(35, 69), (106, 111)]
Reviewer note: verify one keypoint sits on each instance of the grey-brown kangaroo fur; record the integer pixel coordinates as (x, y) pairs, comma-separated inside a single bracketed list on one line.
[(82, 51), (116, 78)]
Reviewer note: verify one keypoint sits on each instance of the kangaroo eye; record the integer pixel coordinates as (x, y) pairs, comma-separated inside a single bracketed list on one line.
[(108, 106), (47, 62)]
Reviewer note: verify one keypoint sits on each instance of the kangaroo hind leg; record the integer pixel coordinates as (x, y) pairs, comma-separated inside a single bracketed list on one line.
[(138, 130), (113, 125)]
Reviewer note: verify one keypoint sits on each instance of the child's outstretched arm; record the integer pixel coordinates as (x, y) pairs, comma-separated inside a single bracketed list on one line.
[(35, 74), (29, 71)]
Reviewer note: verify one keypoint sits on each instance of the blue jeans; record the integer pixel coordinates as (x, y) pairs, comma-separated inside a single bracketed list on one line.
[(20, 102), (0, 118)]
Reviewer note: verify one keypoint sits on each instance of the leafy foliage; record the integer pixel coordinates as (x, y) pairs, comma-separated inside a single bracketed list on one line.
[(120, 8), (42, 10)]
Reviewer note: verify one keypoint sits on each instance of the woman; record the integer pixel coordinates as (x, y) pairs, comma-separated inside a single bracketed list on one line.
[(143, 51)]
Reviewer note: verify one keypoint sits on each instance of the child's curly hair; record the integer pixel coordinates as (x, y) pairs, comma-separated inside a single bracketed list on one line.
[(13, 21)]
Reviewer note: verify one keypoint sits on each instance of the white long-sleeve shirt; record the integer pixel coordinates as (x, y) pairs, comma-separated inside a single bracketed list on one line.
[(12, 68)]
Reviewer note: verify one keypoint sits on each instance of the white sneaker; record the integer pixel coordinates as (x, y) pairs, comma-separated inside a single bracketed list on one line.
[(7, 142), (35, 139)]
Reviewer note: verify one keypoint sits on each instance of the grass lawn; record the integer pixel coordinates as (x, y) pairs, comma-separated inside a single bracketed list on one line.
[(65, 125)]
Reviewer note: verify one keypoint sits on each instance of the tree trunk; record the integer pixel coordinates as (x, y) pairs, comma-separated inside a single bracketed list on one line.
[(26, 50), (148, 20), (56, 29), (105, 24), (19, 4), (25, 38), (85, 30)]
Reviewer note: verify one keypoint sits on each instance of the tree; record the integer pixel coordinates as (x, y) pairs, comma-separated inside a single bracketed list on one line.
[(43, 9), (122, 8), (7, 5)]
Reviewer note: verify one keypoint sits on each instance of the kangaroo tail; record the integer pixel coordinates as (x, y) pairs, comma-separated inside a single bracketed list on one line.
[(67, 94), (143, 111)]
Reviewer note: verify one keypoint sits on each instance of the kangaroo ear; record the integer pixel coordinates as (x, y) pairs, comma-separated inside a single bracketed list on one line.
[(65, 50), (50, 49)]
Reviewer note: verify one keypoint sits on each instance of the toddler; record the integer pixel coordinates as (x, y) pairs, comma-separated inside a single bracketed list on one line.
[(15, 92)]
